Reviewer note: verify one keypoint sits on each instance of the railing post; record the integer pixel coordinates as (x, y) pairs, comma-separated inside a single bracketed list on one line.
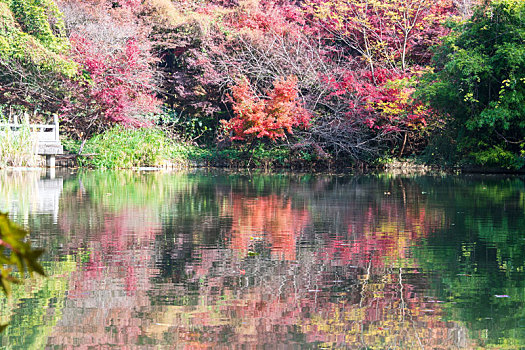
[(50, 161)]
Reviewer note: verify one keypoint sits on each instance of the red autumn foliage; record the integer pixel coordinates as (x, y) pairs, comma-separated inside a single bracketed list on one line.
[(381, 99), (385, 44), (355, 63), (115, 83), (110, 89), (382, 33), (272, 117), (380, 48)]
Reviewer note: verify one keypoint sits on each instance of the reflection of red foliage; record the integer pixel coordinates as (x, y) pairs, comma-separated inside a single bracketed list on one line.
[(377, 241), (349, 297), (110, 288), (114, 250), (386, 308), (271, 219)]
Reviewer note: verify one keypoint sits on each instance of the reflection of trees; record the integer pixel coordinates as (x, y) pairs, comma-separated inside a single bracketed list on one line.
[(227, 259), (34, 309), (18, 191), (267, 220), (481, 255), (111, 221), (351, 282), (303, 301)]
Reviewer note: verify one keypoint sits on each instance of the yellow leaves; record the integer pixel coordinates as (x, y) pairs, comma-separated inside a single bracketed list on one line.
[(469, 97), (389, 109), (165, 11)]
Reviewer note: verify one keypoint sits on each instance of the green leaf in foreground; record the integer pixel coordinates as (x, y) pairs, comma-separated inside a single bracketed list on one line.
[(15, 251)]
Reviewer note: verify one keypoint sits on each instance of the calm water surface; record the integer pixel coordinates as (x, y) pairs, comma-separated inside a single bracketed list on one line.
[(221, 260)]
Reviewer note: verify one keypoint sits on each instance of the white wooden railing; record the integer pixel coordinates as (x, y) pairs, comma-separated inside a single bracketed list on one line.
[(44, 132), (46, 135)]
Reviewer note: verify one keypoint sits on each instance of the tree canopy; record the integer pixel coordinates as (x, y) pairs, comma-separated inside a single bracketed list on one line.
[(479, 83), (33, 44)]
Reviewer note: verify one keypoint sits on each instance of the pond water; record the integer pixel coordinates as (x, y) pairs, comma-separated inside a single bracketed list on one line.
[(140, 260)]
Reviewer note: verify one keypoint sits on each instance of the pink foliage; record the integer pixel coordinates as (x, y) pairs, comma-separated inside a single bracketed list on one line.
[(114, 85)]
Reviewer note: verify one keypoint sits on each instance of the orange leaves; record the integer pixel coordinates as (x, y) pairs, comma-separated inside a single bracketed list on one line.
[(271, 117)]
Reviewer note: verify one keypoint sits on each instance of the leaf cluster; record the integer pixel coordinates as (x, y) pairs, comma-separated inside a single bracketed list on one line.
[(33, 32), (272, 117), (15, 251)]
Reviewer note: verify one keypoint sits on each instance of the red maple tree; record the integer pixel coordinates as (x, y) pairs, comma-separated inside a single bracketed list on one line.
[(271, 117)]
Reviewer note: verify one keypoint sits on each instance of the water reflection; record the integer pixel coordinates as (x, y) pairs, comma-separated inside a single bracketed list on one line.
[(35, 192), (205, 260)]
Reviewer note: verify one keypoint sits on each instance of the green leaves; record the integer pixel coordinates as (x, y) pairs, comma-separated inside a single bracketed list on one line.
[(127, 148), (478, 82), (42, 20), (33, 32), (14, 251)]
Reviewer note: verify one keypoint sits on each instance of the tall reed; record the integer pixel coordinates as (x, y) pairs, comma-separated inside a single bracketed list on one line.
[(17, 146)]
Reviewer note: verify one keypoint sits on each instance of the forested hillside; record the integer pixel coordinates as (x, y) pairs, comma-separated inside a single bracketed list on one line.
[(272, 82)]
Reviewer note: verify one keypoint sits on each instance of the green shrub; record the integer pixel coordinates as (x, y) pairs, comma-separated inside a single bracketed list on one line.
[(127, 148), (261, 156), (498, 157), (274, 157), (70, 145), (185, 152)]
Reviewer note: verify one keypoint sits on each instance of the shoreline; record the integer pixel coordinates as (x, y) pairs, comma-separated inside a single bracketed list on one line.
[(395, 167)]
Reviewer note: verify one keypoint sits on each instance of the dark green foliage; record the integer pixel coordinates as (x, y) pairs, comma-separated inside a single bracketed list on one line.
[(479, 82), (261, 156), (192, 127), (480, 256)]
